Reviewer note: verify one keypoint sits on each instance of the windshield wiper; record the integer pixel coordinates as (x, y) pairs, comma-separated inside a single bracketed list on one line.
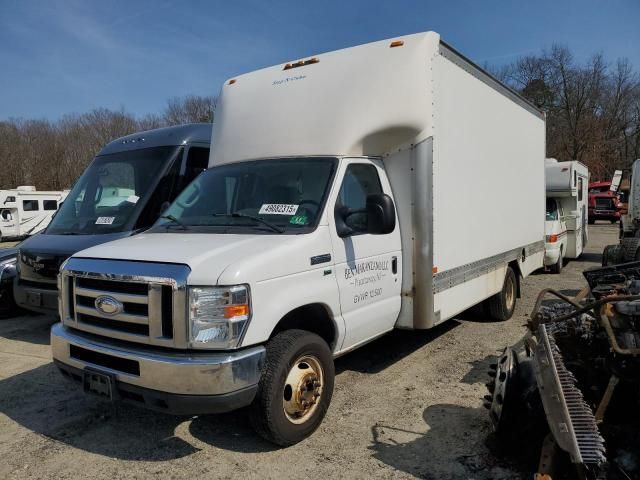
[(175, 220), (272, 226)]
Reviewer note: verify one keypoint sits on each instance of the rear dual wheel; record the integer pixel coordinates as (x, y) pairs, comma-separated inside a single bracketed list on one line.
[(295, 388), (503, 303)]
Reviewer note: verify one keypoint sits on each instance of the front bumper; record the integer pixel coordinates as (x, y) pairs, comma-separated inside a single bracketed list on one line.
[(604, 214), (551, 253), (174, 382), (39, 300)]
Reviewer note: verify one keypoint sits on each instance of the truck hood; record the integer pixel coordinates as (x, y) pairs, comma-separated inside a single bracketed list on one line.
[(220, 258)]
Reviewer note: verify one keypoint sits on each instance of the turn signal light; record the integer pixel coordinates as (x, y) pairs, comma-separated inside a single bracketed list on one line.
[(396, 43), (233, 311), (231, 82), (552, 238)]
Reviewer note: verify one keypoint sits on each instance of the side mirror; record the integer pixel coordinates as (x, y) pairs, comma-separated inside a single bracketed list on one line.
[(378, 218), (381, 214)]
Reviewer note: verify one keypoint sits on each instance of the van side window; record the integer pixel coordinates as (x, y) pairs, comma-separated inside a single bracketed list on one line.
[(50, 204), (580, 189), (166, 191), (197, 161), (6, 215), (30, 205), (10, 199), (360, 180)]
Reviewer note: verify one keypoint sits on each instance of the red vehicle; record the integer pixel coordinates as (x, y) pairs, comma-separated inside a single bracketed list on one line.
[(603, 203)]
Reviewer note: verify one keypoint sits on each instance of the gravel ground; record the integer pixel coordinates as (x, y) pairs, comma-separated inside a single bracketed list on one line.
[(408, 405)]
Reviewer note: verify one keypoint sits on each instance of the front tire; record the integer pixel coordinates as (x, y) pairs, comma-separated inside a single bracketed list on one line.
[(295, 388), (503, 303), (557, 267)]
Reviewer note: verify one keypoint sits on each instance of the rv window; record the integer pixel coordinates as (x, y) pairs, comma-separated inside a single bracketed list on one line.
[(360, 180), (10, 199), (6, 215), (580, 189), (50, 204), (30, 205)]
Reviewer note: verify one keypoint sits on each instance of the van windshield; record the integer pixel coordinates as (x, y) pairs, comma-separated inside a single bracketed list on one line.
[(111, 192), (265, 196)]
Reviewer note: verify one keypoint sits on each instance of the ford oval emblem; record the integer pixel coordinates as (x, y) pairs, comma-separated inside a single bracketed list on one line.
[(108, 305)]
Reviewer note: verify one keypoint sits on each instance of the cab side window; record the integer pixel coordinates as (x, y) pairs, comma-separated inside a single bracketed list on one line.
[(360, 180), (197, 162)]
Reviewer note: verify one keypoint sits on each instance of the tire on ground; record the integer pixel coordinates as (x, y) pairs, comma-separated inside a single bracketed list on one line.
[(503, 303), (557, 267), (268, 413)]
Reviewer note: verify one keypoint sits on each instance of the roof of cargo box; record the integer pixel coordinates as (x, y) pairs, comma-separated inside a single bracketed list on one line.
[(363, 100), (161, 137)]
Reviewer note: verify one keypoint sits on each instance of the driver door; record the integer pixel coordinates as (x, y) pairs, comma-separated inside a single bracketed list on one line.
[(368, 267)]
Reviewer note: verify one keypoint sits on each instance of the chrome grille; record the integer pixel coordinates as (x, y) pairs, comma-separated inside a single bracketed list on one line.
[(146, 302), (604, 204)]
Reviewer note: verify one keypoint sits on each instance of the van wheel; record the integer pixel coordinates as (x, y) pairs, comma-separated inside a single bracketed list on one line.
[(295, 388), (503, 303), (557, 267)]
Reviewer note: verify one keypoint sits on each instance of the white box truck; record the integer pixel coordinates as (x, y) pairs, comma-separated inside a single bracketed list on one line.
[(350, 193), (566, 233)]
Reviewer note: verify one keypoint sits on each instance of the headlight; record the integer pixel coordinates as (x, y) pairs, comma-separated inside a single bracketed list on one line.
[(218, 315)]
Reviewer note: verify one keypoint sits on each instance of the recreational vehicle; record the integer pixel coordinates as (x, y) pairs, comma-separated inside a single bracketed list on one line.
[(25, 211), (566, 232), (326, 220), (121, 193)]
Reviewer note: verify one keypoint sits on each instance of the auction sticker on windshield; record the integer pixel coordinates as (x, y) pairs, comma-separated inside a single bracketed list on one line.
[(278, 209), (105, 220)]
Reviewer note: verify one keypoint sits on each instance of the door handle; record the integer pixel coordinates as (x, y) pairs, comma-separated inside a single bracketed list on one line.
[(394, 265)]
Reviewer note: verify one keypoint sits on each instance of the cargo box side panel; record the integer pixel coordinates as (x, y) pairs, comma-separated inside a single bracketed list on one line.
[(488, 180)]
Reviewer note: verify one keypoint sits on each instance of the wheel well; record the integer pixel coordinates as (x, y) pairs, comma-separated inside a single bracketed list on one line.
[(516, 269), (313, 318)]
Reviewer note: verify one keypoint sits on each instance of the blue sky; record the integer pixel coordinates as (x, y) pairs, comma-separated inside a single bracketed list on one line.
[(59, 57)]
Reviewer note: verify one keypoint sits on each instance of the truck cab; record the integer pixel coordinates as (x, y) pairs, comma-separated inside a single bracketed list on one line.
[(122, 192), (603, 203)]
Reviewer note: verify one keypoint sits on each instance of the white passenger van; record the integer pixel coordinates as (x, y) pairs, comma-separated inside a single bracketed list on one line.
[(25, 211), (566, 221), (350, 194)]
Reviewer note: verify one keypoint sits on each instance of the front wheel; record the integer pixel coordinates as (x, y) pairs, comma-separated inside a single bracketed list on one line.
[(295, 388), (503, 303), (557, 267)]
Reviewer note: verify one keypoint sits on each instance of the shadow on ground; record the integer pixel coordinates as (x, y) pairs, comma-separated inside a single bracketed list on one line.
[(30, 328), (42, 401), (391, 348), (452, 447)]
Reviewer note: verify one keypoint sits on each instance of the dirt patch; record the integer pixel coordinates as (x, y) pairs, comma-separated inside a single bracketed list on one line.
[(408, 405)]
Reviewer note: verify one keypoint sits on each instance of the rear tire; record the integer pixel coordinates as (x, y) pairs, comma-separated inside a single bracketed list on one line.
[(295, 388), (503, 303)]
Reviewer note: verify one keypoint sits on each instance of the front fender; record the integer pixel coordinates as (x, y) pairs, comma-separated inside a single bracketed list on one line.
[(272, 299)]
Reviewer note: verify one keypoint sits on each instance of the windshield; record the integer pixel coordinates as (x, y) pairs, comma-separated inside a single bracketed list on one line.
[(552, 209), (267, 196), (110, 191)]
